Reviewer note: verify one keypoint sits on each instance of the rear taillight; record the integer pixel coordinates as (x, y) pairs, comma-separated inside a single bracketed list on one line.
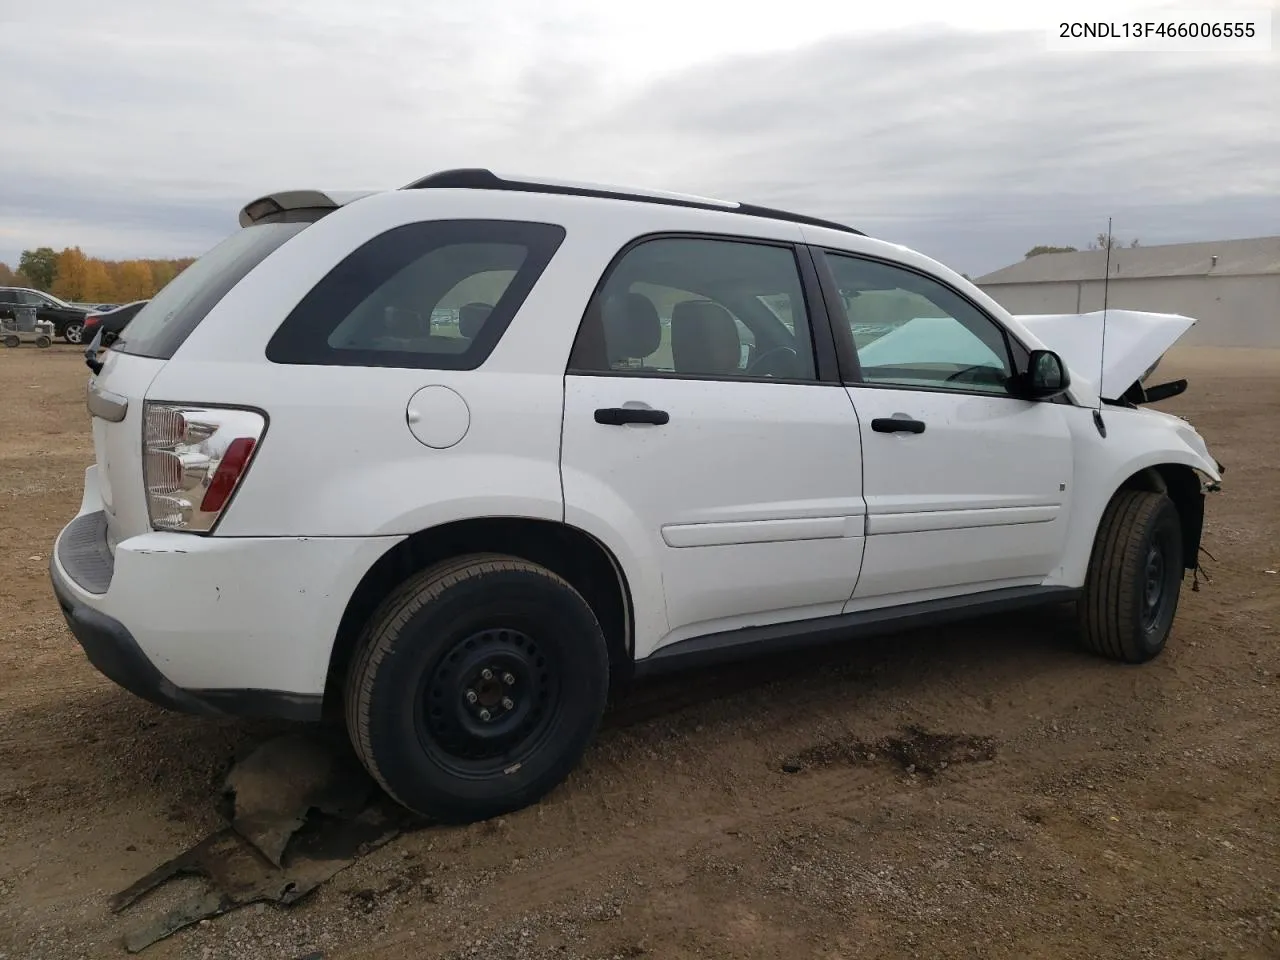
[(193, 460), (91, 320)]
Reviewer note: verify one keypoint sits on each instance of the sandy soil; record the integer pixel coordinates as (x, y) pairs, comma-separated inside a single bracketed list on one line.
[(768, 811)]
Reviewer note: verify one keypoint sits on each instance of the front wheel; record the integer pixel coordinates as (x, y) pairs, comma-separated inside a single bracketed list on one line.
[(73, 333), (1135, 574), (43, 342), (11, 341), (476, 687)]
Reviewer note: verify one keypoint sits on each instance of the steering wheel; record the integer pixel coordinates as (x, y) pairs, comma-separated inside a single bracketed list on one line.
[(756, 364)]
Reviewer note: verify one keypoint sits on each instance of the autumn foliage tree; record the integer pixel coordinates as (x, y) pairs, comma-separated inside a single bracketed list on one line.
[(13, 278), (76, 277), (136, 281), (70, 273), (98, 286)]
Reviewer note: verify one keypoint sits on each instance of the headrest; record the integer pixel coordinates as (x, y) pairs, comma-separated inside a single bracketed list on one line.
[(632, 329), (704, 338), (471, 317)]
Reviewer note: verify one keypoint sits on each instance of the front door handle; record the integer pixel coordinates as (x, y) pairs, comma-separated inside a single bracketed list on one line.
[(897, 424), (616, 416)]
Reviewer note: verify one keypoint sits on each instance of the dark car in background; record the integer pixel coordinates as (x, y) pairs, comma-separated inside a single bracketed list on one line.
[(111, 322), (68, 321)]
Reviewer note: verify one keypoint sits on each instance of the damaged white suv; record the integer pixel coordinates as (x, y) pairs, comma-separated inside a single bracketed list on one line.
[(447, 460)]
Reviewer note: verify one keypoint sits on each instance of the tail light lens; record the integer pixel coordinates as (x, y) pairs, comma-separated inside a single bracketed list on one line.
[(91, 320), (193, 460)]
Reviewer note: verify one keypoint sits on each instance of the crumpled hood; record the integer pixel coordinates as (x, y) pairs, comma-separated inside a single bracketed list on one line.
[(1136, 340)]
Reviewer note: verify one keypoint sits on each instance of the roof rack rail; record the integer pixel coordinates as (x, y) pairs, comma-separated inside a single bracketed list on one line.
[(478, 178)]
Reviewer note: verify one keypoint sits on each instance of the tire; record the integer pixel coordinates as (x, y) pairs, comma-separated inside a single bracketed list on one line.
[(73, 332), (1135, 575), (11, 341), (416, 687), (43, 342)]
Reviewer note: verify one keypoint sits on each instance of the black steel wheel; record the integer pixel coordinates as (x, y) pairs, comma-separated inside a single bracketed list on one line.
[(488, 702), (476, 687), (1134, 579)]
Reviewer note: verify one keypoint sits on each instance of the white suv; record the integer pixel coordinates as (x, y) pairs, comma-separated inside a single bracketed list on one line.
[(450, 459)]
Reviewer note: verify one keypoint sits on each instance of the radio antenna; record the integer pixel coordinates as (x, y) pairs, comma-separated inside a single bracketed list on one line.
[(1102, 353)]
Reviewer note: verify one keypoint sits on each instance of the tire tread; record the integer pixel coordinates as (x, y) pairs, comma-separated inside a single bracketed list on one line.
[(1112, 581)]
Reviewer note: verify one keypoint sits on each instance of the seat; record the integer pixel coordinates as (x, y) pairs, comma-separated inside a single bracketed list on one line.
[(632, 330), (471, 317), (704, 339)]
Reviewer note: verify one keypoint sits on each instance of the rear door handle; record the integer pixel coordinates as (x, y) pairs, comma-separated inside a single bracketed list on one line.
[(897, 425), (616, 416)]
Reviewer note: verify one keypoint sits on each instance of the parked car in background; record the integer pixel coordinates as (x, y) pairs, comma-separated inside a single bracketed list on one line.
[(67, 320), (111, 321)]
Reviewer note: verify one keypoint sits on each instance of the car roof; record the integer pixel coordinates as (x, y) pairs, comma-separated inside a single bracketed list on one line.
[(293, 203)]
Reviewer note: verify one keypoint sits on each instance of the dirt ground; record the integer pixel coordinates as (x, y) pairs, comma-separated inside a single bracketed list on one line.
[(784, 809)]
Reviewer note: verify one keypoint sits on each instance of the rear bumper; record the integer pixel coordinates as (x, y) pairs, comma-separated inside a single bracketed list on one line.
[(111, 648), (208, 625)]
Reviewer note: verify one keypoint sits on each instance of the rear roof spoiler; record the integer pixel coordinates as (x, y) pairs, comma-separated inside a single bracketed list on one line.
[(279, 205)]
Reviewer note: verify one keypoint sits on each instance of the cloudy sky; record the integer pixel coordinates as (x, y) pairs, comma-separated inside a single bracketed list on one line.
[(139, 127)]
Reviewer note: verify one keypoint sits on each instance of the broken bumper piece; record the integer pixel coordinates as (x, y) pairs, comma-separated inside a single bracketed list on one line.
[(304, 809)]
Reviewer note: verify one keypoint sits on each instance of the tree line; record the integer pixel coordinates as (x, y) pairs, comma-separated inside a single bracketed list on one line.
[(75, 277), (1101, 242)]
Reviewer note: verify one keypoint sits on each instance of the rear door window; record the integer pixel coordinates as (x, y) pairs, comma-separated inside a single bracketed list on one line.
[(169, 318), (699, 307), (436, 295)]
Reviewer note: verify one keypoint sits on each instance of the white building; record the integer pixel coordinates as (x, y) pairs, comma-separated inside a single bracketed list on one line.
[(1231, 286)]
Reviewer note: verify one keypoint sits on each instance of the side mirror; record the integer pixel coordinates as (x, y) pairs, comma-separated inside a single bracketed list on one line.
[(1045, 378)]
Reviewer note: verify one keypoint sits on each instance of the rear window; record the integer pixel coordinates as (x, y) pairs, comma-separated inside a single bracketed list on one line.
[(169, 318), (435, 295)]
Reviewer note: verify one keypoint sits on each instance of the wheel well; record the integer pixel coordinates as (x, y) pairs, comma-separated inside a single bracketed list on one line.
[(1182, 485), (567, 551)]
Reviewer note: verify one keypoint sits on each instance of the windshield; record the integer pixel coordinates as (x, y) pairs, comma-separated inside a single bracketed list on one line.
[(172, 314)]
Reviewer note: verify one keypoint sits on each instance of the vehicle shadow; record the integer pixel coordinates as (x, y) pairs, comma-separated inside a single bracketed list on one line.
[(994, 649), (102, 740)]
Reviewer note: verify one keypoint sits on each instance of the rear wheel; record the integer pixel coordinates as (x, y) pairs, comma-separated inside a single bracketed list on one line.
[(1134, 579), (11, 341), (477, 686), (73, 333), (43, 342)]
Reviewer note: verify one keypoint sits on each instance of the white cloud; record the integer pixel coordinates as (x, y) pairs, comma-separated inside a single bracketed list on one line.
[(140, 127)]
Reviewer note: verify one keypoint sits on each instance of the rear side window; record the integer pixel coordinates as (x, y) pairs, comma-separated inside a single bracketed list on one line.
[(436, 295), (169, 318), (699, 307)]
